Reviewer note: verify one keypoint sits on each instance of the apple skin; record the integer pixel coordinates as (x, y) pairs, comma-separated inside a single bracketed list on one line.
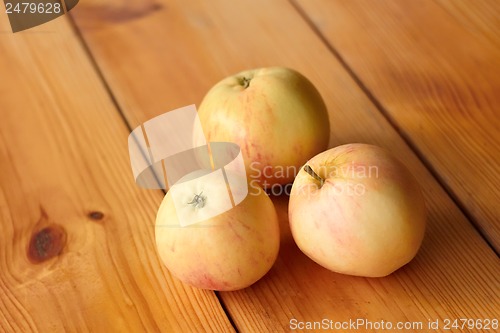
[(364, 223), (279, 120), (227, 252)]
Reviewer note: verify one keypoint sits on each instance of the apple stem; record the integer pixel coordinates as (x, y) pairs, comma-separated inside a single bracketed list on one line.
[(245, 82), (313, 174), (198, 201)]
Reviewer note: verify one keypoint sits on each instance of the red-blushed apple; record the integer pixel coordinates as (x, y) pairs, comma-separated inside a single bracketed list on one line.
[(356, 209), (275, 115), (227, 248)]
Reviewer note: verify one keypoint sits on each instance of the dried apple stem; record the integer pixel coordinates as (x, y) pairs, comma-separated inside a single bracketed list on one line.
[(313, 174), (245, 82), (198, 201)]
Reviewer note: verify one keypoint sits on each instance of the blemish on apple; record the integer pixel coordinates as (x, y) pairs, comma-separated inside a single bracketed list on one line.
[(235, 232)]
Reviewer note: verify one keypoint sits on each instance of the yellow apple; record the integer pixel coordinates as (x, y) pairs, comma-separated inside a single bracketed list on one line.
[(356, 209), (208, 241), (275, 115)]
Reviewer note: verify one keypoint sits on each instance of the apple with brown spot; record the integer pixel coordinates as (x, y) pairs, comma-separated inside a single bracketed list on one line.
[(228, 249), (356, 209), (275, 115)]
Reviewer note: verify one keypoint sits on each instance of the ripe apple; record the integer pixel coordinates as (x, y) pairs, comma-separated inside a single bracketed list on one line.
[(356, 209), (226, 249), (275, 115)]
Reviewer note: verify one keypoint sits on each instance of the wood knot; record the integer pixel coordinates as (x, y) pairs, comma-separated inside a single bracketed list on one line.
[(106, 12), (95, 215), (46, 243)]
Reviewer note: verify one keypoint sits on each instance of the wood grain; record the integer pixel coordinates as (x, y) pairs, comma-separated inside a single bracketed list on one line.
[(482, 18), (77, 250), (170, 57), (434, 70)]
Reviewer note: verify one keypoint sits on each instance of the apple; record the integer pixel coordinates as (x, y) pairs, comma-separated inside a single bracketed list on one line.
[(210, 243), (355, 209), (275, 115)]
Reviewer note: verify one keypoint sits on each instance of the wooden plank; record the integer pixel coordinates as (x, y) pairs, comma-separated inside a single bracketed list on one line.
[(481, 18), (435, 73), (77, 236), (169, 57)]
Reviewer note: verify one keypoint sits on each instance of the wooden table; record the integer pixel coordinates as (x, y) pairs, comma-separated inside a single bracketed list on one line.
[(420, 78)]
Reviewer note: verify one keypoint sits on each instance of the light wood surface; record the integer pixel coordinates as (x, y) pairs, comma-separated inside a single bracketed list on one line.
[(64, 160), (434, 69), (480, 18), (77, 247)]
